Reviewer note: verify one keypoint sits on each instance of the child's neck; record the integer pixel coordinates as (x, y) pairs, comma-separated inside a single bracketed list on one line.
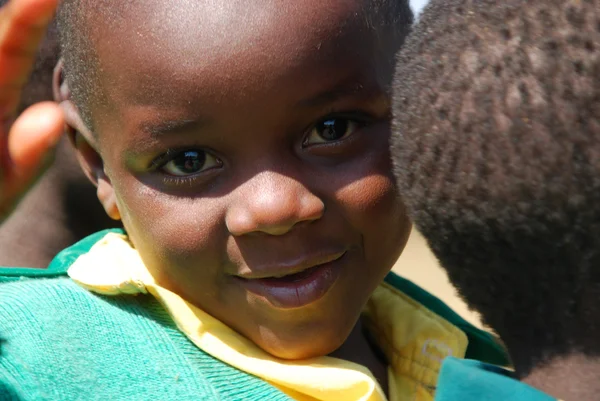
[(572, 377), (358, 349)]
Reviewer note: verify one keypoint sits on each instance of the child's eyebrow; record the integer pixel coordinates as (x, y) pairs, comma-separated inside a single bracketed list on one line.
[(345, 89), (158, 129), (350, 88)]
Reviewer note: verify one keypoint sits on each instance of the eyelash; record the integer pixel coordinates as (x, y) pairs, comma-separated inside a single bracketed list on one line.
[(361, 120), (175, 181), (163, 159), (172, 180)]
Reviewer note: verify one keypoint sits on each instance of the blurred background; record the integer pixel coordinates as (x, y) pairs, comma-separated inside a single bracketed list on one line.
[(417, 5)]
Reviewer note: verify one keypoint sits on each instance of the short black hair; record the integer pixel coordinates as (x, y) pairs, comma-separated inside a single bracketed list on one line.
[(75, 27), (39, 86), (496, 149)]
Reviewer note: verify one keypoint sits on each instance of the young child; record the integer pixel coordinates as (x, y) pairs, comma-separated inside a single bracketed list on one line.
[(62, 208), (497, 153), (244, 146)]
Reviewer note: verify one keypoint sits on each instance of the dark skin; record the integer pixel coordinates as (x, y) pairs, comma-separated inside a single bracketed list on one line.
[(252, 180)]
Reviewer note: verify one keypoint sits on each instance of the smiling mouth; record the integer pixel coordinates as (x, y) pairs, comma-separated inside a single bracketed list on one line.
[(290, 268), (298, 289), (293, 277)]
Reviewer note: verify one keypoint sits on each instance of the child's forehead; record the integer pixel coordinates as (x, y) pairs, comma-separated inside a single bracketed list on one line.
[(215, 21), (197, 42), (180, 52)]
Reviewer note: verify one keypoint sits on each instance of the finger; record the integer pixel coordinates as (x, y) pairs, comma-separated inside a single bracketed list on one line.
[(22, 27), (23, 19), (33, 135)]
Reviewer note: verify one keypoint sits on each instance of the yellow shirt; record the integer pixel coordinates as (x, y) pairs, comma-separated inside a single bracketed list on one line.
[(413, 339)]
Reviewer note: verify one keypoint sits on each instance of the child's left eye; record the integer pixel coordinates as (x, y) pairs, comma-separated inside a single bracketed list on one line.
[(330, 130), (189, 162)]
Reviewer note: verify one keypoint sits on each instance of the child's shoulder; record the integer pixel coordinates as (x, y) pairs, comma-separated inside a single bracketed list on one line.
[(35, 292), (60, 264), (40, 307), (34, 289), (58, 341)]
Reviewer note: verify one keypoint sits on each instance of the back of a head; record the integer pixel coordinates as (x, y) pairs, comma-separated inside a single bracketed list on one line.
[(497, 152)]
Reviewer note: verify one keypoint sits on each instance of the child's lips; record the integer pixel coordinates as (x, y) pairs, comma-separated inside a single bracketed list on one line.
[(298, 288)]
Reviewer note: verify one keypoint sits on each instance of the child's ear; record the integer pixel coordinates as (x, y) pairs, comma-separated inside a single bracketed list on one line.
[(85, 145)]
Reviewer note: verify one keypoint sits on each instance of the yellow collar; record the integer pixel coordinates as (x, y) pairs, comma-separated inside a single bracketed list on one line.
[(414, 339)]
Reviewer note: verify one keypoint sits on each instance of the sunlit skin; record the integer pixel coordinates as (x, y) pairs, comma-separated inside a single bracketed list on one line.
[(249, 140)]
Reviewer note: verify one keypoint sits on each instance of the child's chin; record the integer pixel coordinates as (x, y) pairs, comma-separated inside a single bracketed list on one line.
[(302, 352), (304, 345)]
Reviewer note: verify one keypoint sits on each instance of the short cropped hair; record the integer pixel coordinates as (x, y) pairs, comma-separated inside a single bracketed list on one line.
[(496, 149), (80, 61)]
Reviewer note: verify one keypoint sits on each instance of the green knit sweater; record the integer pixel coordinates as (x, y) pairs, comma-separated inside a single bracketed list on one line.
[(60, 342)]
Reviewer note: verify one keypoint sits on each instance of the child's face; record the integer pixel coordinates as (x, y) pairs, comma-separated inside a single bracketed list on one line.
[(248, 142)]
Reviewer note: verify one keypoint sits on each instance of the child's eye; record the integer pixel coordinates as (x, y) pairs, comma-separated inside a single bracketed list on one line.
[(189, 162), (330, 130)]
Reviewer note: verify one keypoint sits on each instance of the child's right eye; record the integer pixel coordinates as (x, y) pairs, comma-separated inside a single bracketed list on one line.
[(187, 162)]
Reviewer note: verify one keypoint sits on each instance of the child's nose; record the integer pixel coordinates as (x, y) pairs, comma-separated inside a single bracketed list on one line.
[(272, 203)]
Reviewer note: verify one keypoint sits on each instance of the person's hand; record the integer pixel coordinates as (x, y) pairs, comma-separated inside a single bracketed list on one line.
[(25, 140)]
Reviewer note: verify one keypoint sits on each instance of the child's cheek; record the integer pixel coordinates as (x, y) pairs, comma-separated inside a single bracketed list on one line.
[(176, 232), (370, 194), (373, 207)]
